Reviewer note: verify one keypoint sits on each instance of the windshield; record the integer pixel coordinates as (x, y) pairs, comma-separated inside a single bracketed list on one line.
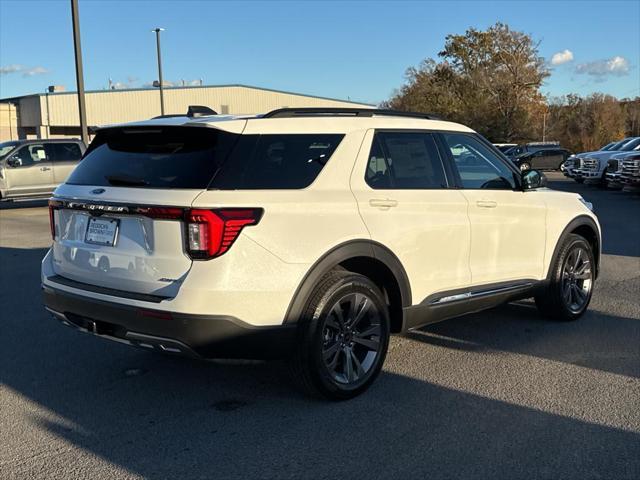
[(6, 147), (630, 145)]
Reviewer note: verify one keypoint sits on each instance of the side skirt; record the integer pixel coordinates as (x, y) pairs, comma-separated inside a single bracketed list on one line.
[(444, 305)]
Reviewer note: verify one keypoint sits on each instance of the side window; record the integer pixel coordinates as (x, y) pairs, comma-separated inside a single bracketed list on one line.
[(378, 173), (31, 155), (478, 166), (66, 152), (281, 161), (405, 161)]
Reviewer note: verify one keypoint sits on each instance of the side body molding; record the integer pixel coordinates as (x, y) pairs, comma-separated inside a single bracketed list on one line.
[(339, 254)]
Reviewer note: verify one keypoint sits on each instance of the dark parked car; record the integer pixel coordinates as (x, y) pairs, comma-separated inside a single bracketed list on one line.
[(548, 159)]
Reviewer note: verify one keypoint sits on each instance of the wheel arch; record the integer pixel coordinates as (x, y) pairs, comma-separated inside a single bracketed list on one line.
[(365, 257), (586, 227)]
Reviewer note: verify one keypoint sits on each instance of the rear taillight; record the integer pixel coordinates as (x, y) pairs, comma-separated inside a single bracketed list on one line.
[(210, 233), (53, 204)]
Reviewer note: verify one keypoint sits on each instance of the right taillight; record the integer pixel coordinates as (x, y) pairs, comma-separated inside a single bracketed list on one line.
[(210, 233)]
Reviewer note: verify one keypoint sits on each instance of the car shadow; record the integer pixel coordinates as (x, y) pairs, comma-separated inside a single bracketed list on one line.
[(10, 205), (519, 328), (159, 417)]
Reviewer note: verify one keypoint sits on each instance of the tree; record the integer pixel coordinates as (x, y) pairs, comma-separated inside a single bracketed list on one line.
[(489, 80), (584, 124)]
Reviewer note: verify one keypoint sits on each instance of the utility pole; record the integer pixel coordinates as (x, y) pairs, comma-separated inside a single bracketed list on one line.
[(158, 30), (544, 126), (79, 74)]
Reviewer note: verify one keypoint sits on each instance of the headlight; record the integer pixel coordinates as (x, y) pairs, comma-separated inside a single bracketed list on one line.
[(589, 205)]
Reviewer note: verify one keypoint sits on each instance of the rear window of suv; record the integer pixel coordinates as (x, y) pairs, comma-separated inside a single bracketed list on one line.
[(280, 161), (199, 157), (154, 157)]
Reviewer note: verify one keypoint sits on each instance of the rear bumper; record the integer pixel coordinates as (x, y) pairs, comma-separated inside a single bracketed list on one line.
[(206, 336)]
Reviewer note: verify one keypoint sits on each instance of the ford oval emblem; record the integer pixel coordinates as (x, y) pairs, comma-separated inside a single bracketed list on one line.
[(98, 191)]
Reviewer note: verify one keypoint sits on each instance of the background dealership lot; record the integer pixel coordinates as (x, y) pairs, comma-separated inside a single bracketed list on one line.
[(498, 394)]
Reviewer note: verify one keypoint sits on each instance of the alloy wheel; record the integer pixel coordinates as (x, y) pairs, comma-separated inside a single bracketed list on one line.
[(351, 338), (577, 279)]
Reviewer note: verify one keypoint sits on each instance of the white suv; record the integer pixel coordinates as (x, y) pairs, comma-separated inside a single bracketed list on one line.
[(307, 234)]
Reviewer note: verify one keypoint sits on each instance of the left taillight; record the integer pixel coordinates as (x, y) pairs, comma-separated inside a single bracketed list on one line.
[(53, 205), (210, 233)]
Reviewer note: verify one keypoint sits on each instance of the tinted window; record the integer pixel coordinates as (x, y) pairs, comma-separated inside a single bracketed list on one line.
[(66, 152), (478, 165), (166, 157), (31, 154), (6, 147), (288, 161), (405, 161)]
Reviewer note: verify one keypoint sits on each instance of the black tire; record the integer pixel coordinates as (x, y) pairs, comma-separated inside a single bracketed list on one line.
[(554, 301), (321, 333)]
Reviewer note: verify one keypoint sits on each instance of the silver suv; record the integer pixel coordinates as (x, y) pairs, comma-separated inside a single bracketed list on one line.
[(34, 168)]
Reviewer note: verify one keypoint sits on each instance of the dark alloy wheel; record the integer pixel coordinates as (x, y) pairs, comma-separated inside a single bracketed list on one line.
[(570, 283), (351, 338), (577, 279), (343, 337)]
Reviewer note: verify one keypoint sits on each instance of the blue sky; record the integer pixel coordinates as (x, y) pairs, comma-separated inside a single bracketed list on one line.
[(358, 50)]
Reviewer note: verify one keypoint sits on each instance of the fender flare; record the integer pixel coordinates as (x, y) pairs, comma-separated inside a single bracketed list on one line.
[(582, 220), (337, 255)]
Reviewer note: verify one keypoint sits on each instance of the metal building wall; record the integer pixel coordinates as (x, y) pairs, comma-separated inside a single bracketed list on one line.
[(116, 106)]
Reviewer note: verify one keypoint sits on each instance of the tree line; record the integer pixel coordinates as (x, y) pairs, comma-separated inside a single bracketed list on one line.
[(491, 80)]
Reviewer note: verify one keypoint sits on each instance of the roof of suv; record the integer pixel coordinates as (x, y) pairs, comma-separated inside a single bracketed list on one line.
[(316, 121)]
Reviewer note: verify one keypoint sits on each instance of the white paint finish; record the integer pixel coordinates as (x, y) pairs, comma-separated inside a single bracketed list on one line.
[(428, 230), (507, 235)]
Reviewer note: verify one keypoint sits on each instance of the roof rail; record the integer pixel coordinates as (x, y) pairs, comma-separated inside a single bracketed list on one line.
[(200, 111), (339, 111)]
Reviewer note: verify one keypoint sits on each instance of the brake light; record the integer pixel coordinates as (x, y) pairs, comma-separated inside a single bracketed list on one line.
[(210, 233), (161, 213), (52, 217)]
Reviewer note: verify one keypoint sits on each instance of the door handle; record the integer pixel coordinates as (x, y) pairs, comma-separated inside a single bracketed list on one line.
[(45, 169), (486, 204), (383, 203)]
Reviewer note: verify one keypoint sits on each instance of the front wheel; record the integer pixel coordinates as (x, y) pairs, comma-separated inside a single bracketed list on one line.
[(570, 286), (343, 337)]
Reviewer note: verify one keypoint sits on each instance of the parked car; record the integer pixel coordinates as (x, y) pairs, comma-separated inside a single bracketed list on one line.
[(547, 159), (530, 148), (504, 147), (306, 234), (630, 172), (575, 161), (593, 165), (34, 168)]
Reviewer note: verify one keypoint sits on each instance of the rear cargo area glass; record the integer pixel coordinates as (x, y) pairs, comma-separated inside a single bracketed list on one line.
[(156, 157)]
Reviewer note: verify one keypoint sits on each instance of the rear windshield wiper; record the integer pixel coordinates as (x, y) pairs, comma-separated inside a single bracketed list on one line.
[(125, 180)]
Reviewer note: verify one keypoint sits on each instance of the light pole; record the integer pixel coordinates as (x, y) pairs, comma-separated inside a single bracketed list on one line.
[(158, 30), (79, 75)]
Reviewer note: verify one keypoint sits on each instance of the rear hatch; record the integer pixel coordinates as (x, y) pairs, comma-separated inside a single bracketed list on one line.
[(119, 220)]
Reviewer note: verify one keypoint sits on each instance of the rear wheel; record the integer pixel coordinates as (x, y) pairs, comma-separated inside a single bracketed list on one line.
[(343, 337), (570, 286)]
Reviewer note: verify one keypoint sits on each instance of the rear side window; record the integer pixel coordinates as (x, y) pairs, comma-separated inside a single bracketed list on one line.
[(66, 152), (405, 161), (287, 161), (156, 157)]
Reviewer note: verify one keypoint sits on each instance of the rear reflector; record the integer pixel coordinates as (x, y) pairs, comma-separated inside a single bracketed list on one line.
[(210, 233)]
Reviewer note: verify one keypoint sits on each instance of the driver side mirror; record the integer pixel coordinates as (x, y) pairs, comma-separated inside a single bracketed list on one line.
[(14, 162), (532, 179)]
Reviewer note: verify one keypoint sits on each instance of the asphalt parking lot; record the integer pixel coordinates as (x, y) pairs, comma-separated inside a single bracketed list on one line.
[(501, 394)]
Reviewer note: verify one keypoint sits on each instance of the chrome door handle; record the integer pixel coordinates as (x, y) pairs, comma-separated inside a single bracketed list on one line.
[(383, 203), (45, 169), (486, 204)]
